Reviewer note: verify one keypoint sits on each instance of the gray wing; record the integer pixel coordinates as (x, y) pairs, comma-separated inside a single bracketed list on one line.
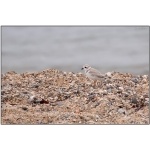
[(96, 73)]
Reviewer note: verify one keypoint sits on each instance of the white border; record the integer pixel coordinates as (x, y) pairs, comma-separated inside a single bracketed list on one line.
[(74, 12), (77, 12)]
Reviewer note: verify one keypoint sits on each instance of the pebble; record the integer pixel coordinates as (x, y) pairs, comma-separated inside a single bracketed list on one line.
[(32, 98), (135, 80), (24, 108), (125, 94), (146, 96), (109, 90), (122, 110), (35, 86), (119, 91), (109, 74), (145, 76), (64, 93), (56, 98), (144, 81), (147, 99), (109, 85), (104, 92), (121, 88), (134, 101)]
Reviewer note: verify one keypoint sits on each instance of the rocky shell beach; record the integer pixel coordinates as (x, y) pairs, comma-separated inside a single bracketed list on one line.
[(57, 97)]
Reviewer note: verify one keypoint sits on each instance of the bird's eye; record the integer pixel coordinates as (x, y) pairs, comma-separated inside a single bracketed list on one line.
[(85, 67)]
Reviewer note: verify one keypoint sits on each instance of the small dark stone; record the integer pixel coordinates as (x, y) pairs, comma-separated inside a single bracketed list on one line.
[(119, 91), (146, 96), (134, 101), (2, 92), (53, 104), (126, 94), (35, 86), (24, 108), (25, 92), (135, 80), (91, 96), (109, 90), (120, 106), (107, 81)]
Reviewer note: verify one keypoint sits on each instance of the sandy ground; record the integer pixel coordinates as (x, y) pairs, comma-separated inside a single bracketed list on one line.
[(56, 97)]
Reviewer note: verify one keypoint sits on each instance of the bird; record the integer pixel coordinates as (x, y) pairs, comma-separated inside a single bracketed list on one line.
[(92, 73)]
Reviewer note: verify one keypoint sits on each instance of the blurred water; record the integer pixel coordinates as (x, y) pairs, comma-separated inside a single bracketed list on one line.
[(124, 49)]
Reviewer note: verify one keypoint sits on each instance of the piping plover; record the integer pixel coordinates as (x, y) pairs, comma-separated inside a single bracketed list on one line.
[(92, 73)]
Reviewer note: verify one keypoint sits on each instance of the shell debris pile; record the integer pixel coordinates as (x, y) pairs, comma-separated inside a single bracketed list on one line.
[(56, 97)]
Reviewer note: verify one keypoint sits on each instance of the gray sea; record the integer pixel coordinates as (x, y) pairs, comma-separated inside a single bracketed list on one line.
[(68, 48)]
